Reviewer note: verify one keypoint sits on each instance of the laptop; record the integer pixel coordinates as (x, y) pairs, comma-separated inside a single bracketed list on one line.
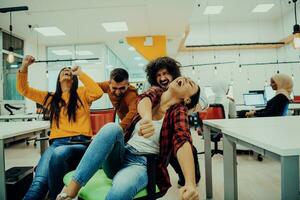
[(253, 99), (269, 93)]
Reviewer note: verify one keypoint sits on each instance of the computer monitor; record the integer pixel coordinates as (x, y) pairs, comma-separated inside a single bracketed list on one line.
[(256, 92), (269, 93), (254, 99)]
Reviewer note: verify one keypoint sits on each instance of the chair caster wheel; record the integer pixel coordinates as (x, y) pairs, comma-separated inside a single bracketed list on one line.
[(259, 157)]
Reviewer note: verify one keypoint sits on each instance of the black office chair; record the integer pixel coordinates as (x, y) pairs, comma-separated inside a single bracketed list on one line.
[(46, 117), (214, 111), (8, 107)]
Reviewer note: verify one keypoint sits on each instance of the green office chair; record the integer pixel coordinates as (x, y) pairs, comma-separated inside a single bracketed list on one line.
[(99, 185)]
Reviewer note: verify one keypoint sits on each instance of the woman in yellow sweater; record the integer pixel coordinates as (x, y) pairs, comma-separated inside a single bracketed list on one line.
[(69, 108)]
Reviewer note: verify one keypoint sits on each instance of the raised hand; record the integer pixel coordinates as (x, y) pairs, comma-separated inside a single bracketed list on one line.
[(27, 60), (76, 70)]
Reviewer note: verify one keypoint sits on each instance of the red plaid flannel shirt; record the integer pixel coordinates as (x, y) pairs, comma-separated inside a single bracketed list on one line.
[(174, 133)]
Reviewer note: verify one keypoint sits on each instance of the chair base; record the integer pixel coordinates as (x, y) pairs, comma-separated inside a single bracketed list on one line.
[(217, 151)]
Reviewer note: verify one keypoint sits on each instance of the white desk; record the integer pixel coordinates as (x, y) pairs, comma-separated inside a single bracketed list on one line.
[(277, 137), (12, 131), (20, 117)]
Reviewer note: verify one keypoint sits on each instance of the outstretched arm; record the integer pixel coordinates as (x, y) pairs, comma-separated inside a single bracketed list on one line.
[(146, 102), (23, 86), (186, 161)]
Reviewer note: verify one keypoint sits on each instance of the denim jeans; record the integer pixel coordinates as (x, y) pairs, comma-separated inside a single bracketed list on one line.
[(58, 159), (107, 150)]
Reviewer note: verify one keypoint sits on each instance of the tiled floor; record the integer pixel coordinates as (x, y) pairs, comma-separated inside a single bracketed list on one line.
[(257, 180)]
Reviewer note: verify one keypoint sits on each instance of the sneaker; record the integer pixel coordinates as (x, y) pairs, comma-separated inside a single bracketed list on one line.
[(64, 196)]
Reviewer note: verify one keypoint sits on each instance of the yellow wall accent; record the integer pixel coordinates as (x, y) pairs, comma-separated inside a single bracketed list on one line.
[(149, 52)]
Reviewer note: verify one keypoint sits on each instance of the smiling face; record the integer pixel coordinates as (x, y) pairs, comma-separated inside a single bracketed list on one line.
[(183, 88), (163, 78), (66, 77), (273, 84), (118, 89)]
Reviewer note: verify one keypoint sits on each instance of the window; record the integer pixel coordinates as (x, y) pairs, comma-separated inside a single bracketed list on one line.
[(10, 69)]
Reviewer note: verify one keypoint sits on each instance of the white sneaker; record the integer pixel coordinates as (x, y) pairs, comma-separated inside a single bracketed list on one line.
[(64, 196)]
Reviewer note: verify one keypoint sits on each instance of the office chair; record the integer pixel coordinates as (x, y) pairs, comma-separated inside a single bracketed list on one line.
[(100, 117), (296, 99), (46, 117), (214, 111), (8, 107), (99, 185)]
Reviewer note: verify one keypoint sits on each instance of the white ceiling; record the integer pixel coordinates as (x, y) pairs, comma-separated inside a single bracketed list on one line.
[(239, 10), (81, 20)]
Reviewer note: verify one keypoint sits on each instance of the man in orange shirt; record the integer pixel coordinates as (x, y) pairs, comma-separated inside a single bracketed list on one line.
[(122, 95)]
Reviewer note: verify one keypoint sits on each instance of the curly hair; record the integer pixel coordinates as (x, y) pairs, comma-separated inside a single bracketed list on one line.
[(171, 65)]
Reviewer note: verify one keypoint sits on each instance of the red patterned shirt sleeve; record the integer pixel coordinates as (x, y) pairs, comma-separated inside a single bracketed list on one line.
[(181, 128), (154, 93)]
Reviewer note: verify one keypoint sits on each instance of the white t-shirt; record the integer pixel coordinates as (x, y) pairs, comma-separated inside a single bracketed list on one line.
[(147, 145)]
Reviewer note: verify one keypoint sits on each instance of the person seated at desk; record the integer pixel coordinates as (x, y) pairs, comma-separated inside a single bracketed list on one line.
[(70, 124), (283, 85), (221, 88), (167, 110)]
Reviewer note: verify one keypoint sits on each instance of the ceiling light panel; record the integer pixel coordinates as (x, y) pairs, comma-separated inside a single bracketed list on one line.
[(115, 26), (213, 10), (84, 53), (261, 8), (62, 52), (50, 31)]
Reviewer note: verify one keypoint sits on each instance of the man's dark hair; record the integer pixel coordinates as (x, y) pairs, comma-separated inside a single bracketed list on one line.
[(119, 75), (171, 65), (194, 99)]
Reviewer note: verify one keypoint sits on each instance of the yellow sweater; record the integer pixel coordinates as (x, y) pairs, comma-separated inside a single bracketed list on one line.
[(87, 94)]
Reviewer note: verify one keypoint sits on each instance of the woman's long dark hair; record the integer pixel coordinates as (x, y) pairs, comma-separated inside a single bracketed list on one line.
[(56, 102)]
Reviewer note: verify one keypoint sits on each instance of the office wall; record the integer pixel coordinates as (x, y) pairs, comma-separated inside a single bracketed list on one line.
[(257, 75), (248, 77)]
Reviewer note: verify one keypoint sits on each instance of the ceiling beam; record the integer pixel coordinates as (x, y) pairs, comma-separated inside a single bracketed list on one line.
[(221, 47)]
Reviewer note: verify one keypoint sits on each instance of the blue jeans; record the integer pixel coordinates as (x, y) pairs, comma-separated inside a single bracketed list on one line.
[(107, 150), (58, 159)]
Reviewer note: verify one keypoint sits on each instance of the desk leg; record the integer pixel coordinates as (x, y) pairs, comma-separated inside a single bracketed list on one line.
[(43, 143), (230, 171), (208, 168), (289, 177), (2, 171)]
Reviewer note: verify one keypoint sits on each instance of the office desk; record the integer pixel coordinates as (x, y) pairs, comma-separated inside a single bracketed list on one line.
[(20, 117), (276, 137), (12, 131)]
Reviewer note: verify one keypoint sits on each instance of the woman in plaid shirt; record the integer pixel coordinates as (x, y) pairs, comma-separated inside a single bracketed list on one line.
[(170, 133)]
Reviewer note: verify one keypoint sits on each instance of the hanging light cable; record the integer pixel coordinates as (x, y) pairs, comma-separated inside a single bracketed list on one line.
[(10, 57)]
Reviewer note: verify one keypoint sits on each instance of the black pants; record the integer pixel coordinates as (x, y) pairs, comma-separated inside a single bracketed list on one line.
[(175, 164)]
